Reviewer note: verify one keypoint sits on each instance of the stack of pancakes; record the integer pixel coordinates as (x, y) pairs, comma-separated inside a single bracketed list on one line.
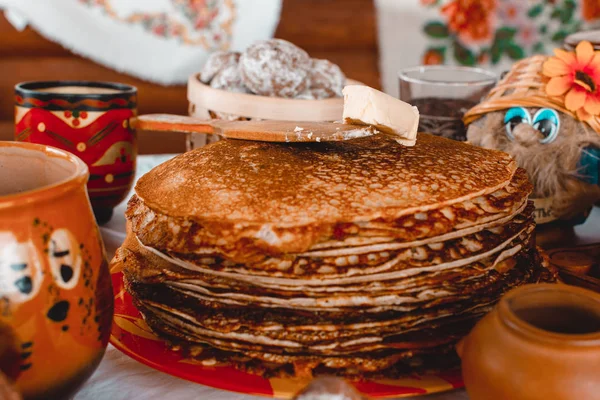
[(361, 258)]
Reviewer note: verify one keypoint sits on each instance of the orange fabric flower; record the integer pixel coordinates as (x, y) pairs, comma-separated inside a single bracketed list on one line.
[(471, 19), (576, 76)]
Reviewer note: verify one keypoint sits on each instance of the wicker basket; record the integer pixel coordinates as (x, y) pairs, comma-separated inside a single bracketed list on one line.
[(524, 85), (206, 102)]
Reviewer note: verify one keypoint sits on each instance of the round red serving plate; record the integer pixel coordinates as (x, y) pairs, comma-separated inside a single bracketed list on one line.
[(132, 336)]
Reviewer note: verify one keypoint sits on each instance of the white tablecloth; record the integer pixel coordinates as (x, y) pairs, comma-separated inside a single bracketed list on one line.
[(122, 378)]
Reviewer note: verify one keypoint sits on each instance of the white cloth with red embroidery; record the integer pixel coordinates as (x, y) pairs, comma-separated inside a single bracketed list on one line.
[(487, 33), (163, 41)]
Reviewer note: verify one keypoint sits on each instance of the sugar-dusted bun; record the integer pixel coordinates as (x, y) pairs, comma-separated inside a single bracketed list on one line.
[(275, 68), (326, 79), (229, 79), (217, 62)]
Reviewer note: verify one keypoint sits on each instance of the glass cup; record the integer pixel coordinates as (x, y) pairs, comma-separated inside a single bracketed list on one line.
[(443, 94)]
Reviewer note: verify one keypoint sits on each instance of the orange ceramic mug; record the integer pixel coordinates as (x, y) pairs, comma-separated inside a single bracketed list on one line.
[(55, 290)]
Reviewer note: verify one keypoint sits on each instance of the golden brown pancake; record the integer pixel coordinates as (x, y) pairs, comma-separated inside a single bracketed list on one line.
[(330, 264), (248, 197), (409, 283), (289, 185)]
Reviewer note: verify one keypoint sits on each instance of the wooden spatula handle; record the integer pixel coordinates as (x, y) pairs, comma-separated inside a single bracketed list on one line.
[(173, 123)]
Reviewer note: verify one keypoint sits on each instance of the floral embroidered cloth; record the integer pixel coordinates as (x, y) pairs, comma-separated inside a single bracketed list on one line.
[(488, 33), (163, 41)]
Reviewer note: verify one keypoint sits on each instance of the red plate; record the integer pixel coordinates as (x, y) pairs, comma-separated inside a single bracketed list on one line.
[(132, 336)]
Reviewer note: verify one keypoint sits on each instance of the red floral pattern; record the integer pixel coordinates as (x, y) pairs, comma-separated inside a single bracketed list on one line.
[(472, 32), (471, 20), (433, 57), (205, 23)]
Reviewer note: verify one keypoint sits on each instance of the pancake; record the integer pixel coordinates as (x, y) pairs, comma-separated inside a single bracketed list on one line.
[(282, 343), (250, 199), (334, 267), (318, 320), (360, 259), (383, 364), (190, 320), (486, 290), (403, 290), (287, 350)]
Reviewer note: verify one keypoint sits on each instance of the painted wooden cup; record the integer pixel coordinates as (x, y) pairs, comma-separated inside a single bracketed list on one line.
[(55, 293), (90, 120)]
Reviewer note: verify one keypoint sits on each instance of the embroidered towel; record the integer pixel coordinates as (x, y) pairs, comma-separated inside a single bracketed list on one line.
[(163, 41), (488, 33)]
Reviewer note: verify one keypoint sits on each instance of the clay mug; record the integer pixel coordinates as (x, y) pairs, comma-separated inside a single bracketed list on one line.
[(56, 299), (90, 120), (540, 342)]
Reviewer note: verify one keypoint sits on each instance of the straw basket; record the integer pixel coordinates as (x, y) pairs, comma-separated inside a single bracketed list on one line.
[(524, 85)]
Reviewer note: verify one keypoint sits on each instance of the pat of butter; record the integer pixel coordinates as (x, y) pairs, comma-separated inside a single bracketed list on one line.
[(364, 105)]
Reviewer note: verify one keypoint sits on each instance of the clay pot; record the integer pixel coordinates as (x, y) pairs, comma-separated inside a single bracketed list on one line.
[(90, 120), (540, 342), (55, 291)]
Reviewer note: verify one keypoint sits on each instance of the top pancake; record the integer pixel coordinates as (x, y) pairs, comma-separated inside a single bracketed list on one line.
[(293, 185)]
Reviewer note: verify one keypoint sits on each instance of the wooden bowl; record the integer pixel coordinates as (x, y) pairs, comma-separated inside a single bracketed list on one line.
[(204, 98), (209, 103)]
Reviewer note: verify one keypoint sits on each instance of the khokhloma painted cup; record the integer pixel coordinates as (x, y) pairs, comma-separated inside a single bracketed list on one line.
[(90, 120), (56, 299)]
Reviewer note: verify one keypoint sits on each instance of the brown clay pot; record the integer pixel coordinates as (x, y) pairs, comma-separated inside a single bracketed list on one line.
[(540, 342)]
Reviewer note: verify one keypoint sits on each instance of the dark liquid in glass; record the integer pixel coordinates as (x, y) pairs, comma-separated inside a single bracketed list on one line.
[(443, 116)]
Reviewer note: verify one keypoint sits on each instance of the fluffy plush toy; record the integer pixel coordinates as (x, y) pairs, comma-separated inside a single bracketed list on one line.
[(545, 113)]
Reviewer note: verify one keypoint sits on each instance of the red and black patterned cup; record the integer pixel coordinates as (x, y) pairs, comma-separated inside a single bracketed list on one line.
[(91, 120)]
